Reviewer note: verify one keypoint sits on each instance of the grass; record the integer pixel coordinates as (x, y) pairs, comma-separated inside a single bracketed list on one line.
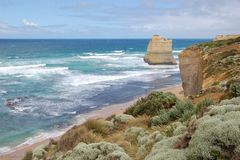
[(76, 135), (97, 127)]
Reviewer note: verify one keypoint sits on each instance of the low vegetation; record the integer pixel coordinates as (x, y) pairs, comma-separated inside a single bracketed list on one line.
[(181, 111), (214, 44), (152, 104), (180, 130)]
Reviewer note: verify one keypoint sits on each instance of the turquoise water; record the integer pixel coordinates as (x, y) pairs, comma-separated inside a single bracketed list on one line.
[(44, 84)]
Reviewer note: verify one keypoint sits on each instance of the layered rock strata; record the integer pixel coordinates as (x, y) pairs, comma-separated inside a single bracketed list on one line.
[(159, 51)]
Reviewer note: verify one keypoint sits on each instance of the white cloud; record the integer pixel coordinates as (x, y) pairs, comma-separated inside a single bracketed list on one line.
[(29, 23)]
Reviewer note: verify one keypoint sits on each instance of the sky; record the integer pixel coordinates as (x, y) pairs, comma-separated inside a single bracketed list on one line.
[(118, 18)]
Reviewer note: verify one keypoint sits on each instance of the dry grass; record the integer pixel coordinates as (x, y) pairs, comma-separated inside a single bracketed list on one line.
[(76, 135), (95, 130), (140, 121), (97, 126), (119, 139)]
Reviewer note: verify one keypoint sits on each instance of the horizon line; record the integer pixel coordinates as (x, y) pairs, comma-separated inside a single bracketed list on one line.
[(88, 38)]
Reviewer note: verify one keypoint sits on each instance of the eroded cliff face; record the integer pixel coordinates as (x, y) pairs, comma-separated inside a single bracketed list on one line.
[(207, 64), (191, 68), (159, 51)]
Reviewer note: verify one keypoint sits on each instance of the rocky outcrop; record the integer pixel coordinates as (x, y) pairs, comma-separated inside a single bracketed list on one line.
[(159, 51), (209, 64), (226, 37), (191, 69)]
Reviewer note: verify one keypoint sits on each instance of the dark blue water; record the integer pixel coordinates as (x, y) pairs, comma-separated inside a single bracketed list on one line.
[(44, 84)]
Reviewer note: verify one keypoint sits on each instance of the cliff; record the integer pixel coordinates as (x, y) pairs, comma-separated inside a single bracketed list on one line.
[(159, 51), (161, 126), (209, 64), (226, 37)]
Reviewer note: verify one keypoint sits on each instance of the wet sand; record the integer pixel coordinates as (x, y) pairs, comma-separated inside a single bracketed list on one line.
[(19, 152)]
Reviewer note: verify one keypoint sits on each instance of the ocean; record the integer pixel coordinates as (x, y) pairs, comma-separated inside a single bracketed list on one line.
[(46, 84)]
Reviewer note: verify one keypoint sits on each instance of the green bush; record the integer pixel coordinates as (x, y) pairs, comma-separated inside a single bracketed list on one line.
[(152, 104), (216, 83), (181, 111), (234, 89), (203, 105)]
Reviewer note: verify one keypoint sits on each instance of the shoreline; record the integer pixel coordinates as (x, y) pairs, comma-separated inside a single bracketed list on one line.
[(19, 151)]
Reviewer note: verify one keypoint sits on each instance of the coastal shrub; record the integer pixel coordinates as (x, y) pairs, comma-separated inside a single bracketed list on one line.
[(39, 152), (152, 104), (215, 138), (179, 130), (202, 106), (234, 89), (96, 151), (221, 110), (182, 111), (76, 135), (217, 134), (233, 101), (146, 143), (134, 133), (28, 156), (122, 118), (164, 150), (142, 139), (215, 83)]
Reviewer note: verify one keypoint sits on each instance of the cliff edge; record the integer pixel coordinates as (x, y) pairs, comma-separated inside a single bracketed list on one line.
[(209, 64)]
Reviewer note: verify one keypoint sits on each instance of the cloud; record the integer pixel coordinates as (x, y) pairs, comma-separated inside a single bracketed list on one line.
[(139, 19), (28, 23), (29, 29), (172, 18)]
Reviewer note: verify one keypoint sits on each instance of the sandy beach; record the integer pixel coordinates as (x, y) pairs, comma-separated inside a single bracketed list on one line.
[(19, 152)]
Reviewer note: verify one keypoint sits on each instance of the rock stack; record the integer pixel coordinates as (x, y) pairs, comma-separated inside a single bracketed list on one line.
[(159, 51)]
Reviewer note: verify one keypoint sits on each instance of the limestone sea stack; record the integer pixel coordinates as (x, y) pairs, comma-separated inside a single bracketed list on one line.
[(159, 51)]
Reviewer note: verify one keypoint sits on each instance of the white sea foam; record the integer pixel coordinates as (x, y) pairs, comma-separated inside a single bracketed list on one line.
[(177, 51), (5, 149), (118, 51), (3, 92), (31, 70), (102, 57)]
